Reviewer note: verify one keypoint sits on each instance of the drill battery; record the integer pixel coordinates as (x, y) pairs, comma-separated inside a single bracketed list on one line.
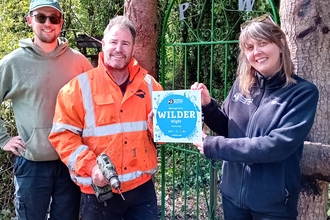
[(102, 193)]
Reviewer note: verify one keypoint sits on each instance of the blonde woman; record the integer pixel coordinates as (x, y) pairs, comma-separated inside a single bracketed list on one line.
[(262, 125)]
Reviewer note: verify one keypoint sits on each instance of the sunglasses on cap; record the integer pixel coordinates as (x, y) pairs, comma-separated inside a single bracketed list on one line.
[(257, 19), (41, 18)]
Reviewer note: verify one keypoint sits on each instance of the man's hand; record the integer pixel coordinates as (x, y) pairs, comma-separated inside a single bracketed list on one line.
[(97, 177), (151, 117), (15, 145)]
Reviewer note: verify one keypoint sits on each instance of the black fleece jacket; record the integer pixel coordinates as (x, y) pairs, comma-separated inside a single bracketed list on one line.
[(261, 141)]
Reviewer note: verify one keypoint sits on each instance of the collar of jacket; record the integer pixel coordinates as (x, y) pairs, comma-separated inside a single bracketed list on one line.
[(133, 66), (274, 82)]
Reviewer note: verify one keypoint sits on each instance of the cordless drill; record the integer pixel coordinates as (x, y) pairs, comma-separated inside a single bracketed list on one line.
[(109, 171)]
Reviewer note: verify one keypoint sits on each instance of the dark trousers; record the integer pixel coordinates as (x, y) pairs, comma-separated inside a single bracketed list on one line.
[(140, 204), (232, 212), (44, 187)]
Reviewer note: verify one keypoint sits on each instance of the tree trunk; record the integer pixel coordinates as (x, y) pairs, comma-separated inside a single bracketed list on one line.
[(143, 13), (313, 199), (315, 161), (314, 190), (306, 24)]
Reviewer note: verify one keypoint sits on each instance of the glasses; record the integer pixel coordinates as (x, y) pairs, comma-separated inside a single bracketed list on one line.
[(257, 19), (41, 18)]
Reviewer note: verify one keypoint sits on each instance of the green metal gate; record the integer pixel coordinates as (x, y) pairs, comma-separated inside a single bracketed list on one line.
[(199, 43)]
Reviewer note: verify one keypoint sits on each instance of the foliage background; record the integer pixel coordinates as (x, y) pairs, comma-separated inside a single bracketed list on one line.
[(81, 16)]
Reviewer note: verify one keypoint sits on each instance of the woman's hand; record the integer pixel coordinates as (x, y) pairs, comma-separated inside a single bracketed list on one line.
[(200, 145), (205, 95)]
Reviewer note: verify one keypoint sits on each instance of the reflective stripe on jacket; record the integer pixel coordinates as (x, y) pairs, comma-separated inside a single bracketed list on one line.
[(92, 116)]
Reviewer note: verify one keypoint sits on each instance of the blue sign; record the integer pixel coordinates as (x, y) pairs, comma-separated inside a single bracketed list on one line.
[(177, 116)]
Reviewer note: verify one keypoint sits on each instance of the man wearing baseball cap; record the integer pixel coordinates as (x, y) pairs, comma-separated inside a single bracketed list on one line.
[(31, 77)]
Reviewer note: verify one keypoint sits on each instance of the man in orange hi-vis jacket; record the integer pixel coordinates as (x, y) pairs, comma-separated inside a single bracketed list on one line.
[(105, 110)]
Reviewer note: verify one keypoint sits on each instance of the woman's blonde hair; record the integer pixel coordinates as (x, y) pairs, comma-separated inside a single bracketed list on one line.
[(269, 31)]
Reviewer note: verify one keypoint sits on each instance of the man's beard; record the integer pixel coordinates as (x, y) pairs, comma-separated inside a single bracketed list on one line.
[(46, 39), (115, 65)]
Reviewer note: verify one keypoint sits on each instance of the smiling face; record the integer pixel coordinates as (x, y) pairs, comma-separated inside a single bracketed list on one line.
[(46, 32), (118, 47), (263, 56)]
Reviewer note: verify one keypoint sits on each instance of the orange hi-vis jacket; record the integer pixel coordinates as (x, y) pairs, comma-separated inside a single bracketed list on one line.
[(93, 116)]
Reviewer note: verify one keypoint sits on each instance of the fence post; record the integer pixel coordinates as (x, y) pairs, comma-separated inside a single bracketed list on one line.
[(213, 190)]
